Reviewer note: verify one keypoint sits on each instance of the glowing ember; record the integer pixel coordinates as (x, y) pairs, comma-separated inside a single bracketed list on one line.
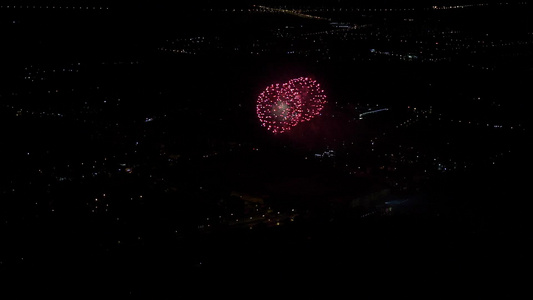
[(282, 106)]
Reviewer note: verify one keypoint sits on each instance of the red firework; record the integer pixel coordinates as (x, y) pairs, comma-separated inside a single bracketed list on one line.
[(283, 106)]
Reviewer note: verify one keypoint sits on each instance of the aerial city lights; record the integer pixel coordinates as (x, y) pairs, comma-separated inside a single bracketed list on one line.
[(283, 106)]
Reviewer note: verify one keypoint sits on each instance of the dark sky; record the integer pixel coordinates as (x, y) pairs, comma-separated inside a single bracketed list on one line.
[(239, 3)]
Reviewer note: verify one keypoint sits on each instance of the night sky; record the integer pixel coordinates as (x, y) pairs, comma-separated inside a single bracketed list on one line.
[(152, 150)]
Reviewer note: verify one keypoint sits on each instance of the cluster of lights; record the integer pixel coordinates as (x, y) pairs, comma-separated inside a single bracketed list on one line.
[(39, 73), (472, 5), (282, 106), (345, 10)]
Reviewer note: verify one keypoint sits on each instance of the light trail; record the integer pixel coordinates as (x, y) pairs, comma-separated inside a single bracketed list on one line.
[(291, 12), (371, 112)]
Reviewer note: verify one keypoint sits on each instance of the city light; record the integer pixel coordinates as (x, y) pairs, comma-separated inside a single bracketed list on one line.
[(143, 138)]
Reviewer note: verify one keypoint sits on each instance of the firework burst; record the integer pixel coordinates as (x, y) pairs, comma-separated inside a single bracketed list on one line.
[(283, 106)]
